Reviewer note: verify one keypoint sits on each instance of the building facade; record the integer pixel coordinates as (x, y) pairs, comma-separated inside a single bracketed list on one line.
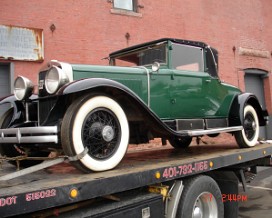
[(86, 31)]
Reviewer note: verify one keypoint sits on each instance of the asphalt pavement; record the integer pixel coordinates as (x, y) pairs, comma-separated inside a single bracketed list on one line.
[(259, 196)]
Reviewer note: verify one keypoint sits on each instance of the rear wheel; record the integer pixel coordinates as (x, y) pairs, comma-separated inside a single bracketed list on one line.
[(180, 142), (248, 137), (100, 125), (201, 197), (14, 150)]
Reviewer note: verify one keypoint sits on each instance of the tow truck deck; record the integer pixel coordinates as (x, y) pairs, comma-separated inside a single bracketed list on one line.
[(63, 185)]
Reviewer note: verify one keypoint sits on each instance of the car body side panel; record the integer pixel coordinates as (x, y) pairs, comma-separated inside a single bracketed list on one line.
[(174, 94), (188, 94), (134, 78)]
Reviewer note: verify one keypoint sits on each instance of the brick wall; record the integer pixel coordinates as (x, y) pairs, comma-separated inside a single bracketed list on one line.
[(86, 31)]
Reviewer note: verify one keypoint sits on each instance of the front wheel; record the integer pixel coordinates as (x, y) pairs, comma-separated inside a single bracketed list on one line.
[(248, 137), (100, 125), (201, 197)]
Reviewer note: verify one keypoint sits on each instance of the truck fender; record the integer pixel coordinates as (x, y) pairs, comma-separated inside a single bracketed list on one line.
[(92, 83), (237, 109)]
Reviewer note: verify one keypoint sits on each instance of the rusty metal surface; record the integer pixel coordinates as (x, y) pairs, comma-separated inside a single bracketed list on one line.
[(21, 43)]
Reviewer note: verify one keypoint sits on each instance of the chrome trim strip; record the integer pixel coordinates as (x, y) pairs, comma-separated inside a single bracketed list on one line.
[(213, 131), (148, 83), (66, 67), (16, 135)]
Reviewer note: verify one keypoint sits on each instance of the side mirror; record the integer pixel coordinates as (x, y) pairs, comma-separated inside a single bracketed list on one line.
[(155, 66)]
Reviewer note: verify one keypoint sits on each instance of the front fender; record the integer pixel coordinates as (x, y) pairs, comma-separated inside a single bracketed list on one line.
[(12, 100), (85, 84), (114, 89), (8, 99), (18, 106)]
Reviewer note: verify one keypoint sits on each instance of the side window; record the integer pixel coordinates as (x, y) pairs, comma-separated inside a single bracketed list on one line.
[(130, 5), (185, 57)]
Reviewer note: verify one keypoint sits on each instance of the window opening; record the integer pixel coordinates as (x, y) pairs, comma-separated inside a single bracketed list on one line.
[(186, 57), (129, 5)]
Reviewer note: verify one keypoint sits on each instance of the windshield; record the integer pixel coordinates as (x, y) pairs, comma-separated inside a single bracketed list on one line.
[(140, 57)]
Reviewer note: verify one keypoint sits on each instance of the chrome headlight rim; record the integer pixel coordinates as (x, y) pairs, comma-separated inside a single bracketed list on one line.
[(23, 88), (55, 78)]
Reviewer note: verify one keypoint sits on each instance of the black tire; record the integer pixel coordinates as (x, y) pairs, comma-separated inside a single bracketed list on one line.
[(15, 150), (181, 142), (200, 196), (100, 124), (248, 137)]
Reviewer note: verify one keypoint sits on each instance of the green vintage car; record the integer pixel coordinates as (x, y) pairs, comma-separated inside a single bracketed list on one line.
[(168, 88)]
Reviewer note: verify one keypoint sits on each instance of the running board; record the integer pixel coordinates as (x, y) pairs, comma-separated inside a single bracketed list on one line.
[(200, 132)]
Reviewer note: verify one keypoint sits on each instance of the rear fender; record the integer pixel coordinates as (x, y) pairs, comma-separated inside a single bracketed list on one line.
[(237, 109)]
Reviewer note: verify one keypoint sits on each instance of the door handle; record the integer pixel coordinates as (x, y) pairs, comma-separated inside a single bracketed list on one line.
[(207, 80)]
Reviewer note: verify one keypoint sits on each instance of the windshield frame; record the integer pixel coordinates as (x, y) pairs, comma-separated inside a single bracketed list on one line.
[(151, 47)]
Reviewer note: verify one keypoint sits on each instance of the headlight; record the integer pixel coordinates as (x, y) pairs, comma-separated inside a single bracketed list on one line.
[(54, 79), (23, 88)]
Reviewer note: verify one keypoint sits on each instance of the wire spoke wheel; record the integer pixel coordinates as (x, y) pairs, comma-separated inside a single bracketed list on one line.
[(99, 124), (101, 133)]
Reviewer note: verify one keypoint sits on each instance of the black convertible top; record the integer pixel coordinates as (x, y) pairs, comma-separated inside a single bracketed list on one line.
[(181, 41)]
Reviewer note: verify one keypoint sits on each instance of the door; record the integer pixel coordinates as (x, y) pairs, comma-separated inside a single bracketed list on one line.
[(254, 84), (5, 88)]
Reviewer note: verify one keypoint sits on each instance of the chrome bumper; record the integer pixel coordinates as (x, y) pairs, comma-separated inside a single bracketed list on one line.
[(41, 134)]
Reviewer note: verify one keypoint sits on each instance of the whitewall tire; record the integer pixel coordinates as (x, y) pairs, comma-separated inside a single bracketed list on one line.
[(100, 124), (248, 137)]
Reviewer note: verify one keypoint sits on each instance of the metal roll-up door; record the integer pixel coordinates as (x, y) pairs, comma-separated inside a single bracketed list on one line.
[(254, 84), (5, 88)]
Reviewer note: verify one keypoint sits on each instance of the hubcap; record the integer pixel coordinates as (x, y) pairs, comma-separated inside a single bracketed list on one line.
[(108, 133), (197, 212), (250, 126), (205, 206)]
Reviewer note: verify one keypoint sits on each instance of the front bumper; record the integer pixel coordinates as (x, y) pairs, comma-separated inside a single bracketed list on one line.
[(41, 134)]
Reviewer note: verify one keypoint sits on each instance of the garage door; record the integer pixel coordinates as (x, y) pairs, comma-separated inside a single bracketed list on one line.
[(5, 88), (254, 84)]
